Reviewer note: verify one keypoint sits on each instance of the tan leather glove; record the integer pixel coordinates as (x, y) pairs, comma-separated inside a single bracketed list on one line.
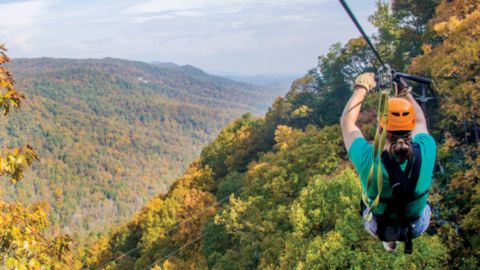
[(366, 80)]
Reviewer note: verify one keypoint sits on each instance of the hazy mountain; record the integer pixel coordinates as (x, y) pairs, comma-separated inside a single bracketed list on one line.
[(165, 64), (266, 80), (275, 84)]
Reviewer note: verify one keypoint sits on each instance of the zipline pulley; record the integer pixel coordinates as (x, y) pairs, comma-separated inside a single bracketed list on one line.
[(384, 77)]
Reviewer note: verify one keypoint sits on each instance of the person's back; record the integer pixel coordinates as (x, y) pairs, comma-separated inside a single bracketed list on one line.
[(407, 167), (361, 155)]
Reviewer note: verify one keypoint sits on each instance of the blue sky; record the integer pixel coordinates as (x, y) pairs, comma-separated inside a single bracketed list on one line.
[(244, 37)]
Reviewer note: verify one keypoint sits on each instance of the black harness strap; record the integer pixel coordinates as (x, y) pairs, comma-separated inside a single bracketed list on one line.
[(403, 184), (415, 197)]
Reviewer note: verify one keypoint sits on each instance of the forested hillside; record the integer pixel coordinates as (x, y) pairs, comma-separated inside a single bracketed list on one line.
[(111, 133), (278, 192)]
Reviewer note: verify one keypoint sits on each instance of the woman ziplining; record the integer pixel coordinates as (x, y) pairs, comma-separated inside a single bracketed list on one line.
[(401, 159), (402, 168)]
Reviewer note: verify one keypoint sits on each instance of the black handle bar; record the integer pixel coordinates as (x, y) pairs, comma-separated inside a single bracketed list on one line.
[(415, 78)]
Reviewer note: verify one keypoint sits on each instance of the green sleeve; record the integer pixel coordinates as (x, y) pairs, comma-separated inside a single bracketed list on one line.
[(360, 153)]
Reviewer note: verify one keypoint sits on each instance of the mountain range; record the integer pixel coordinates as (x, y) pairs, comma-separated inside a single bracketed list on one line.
[(111, 133)]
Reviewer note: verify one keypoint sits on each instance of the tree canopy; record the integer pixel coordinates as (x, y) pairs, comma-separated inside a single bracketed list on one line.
[(294, 197)]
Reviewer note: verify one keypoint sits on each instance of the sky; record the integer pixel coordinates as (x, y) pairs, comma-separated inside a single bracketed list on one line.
[(237, 37)]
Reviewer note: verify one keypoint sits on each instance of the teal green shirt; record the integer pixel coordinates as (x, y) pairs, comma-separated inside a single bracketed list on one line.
[(361, 155)]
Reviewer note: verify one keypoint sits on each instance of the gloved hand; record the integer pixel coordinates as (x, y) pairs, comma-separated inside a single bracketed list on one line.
[(402, 88), (366, 80)]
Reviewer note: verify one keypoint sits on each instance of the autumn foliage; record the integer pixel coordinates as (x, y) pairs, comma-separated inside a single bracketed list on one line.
[(278, 192), (23, 242), (287, 198), (12, 161)]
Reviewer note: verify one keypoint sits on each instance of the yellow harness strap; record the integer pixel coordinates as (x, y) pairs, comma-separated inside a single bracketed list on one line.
[(379, 144)]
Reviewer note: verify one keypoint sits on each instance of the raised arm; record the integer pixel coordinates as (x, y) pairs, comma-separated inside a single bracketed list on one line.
[(350, 130), (421, 122)]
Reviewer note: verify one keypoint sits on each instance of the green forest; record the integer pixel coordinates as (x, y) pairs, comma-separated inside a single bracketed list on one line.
[(278, 192), (112, 133)]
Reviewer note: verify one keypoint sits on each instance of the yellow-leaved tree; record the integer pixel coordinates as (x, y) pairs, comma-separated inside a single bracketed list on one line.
[(23, 242)]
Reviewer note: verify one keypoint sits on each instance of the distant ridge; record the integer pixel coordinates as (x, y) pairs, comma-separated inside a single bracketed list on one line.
[(266, 80), (165, 64)]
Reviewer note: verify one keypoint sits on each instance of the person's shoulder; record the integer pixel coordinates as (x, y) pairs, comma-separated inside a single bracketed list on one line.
[(427, 143), (359, 148), (357, 145), (424, 138), (360, 153)]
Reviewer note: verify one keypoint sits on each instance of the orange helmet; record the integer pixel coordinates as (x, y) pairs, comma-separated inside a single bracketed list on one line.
[(401, 115)]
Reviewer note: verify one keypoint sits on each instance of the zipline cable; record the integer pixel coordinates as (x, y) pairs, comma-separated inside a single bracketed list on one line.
[(395, 75), (173, 252), (201, 212), (359, 27), (177, 250), (386, 78), (184, 221)]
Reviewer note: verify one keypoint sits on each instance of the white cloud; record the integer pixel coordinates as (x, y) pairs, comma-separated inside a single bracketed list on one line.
[(250, 36), (175, 5), (189, 13), (19, 22), (189, 7)]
